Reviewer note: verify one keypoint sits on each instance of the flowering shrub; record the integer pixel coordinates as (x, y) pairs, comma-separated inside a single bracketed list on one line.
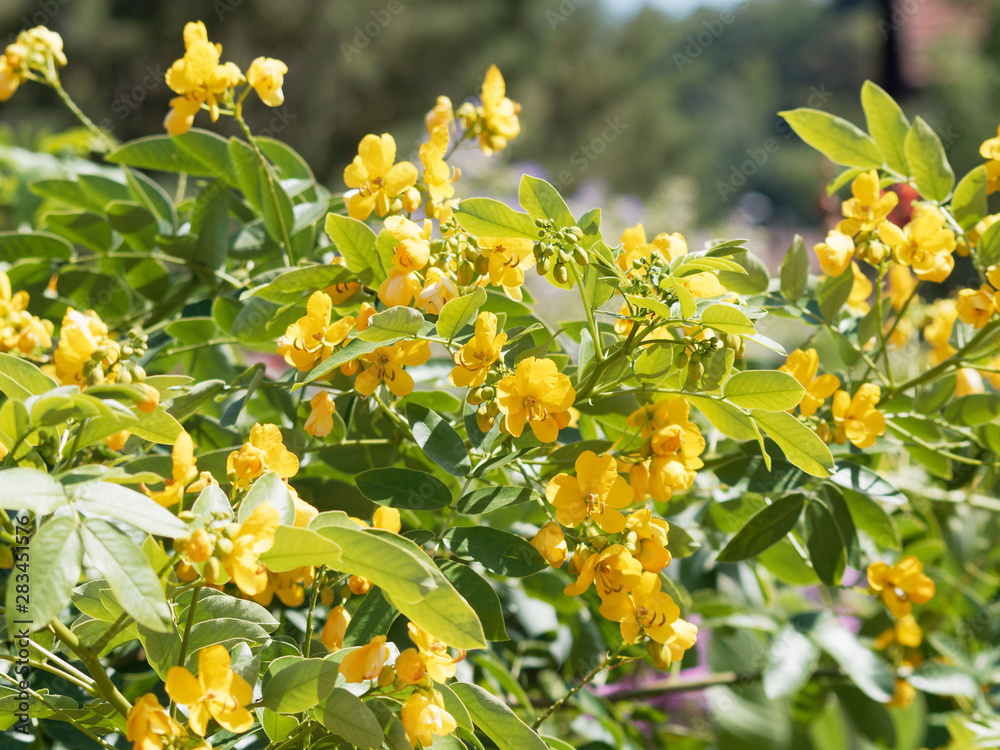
[(291, 468)]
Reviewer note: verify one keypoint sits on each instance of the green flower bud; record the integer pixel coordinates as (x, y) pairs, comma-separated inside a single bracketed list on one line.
[(560, 273), (580, 256)]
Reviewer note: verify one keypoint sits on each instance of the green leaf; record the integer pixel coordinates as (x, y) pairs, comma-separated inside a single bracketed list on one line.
[(680, 542), (834, 293), (496, 720), (938, 678), (835, 138), (157, 427), (969, 202), (496, 550), (826, 549), (795, 270), (300, 685), (134, 508), (768, 526), (931, 171), (861, 479), (658, 307), (403, 488), (56, 554), (800, 444), (974, 409), (199, 153), (269, 488), (349, 718), (410, 582), (134, 222), (477, 592), (459, 311), (355, 241), (31, 490), (867, 671), (869, 516), (296, 547), (754, 279), (21, 379), (309, 279), (727, 319), (374, 616), (392, 324), (485, 217), (792, 658), (135, 584), (988, 248), (438, 439), (771, 390), (726, 418), (888, 126), (354, 348), (542, 201), (18, 245), (490, 499)]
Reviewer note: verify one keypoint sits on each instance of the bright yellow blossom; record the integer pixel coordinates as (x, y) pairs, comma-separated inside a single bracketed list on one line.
[(803, 365), (651, 546), (198, 78), (335, 628), (499, 123), (253, 538), (644, 609), (613, 570), (905, 632), (672, 649), (901, 284), (536, 394), (265, 451), (216, 693), (150, 726), (311, 339), (861, 290), (184, 471), (80, 336), (477, 355), (376, 177), (835, 253), (386, 365), (430, 658), (551, 544), (857, 419), (438, 176), (442, 115), (424, 718), (925, 243), (366, 662), (266, 76), (675, 443), (508, 257), (867, 207), (597, 491), (320, 421), (975, 307), (438, 290), (900, 585), (943, 315)]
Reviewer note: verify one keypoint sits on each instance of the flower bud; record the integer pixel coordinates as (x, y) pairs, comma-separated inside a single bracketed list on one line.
[(560, 274), (696, 371), (123, 377), (212, 569), (224, 547), (580, 256), (6, 557), (482, 265), (386, 676), (466, 272), (543, 266)]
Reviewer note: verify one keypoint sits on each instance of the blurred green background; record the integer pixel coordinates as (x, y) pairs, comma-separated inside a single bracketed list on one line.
[(693, 91)]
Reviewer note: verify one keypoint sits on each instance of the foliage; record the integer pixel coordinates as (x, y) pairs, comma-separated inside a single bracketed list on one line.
[(212, 544)]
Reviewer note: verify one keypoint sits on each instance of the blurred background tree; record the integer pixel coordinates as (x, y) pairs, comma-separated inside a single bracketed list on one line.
[(695, 90)]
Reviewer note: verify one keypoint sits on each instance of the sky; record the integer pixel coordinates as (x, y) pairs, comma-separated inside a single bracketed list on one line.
[(674, 7)]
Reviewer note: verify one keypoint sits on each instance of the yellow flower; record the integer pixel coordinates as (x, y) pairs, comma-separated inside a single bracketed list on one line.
[(79, 338), (651, 546), (835, 253), (311, 339), (289, 587), (253, 538), (551, 544), (537, 393), (340, 293), (320, 421), (477, 355), (943, 315), (266, 76), (32, 50), (438, 176), (264, 452), (216, 693), (412, 249), (184, 472), (508, 257), (335, 628), (903, 696), (117, 441), (375, 176), (672, 649), (803, 365), (19, 329), (149, 725), (905, 632), (704, 284), (198, 78), (12, 72), (430, 658), (990, 148), (387, 519), (645, 609), (424, 717), (861, 290), (500, 123), (613, 570), (676, 443), (925, 243), (597, 491), (900, 585), (438, 290), (359, 585), (200, 546), (975, 307), (901, 285), (868, 206), (366, 662), (634, 246), (386, 365), (399, 287), (857, 419), (442, 115)]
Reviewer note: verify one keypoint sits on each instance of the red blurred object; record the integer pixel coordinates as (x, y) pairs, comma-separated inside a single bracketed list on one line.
[(901, 214)]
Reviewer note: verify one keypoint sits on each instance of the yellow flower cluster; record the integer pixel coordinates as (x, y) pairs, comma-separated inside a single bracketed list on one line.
[(975, 307), (200, 80), (21, 332), (672, 443), (33, 52)]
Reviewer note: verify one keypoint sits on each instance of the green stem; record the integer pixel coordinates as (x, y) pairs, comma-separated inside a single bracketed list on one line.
[(947, 364), (587, 679), (182, 656), (591, 322), (879, 303), (107, 688), (87, 687), (306, 647)]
